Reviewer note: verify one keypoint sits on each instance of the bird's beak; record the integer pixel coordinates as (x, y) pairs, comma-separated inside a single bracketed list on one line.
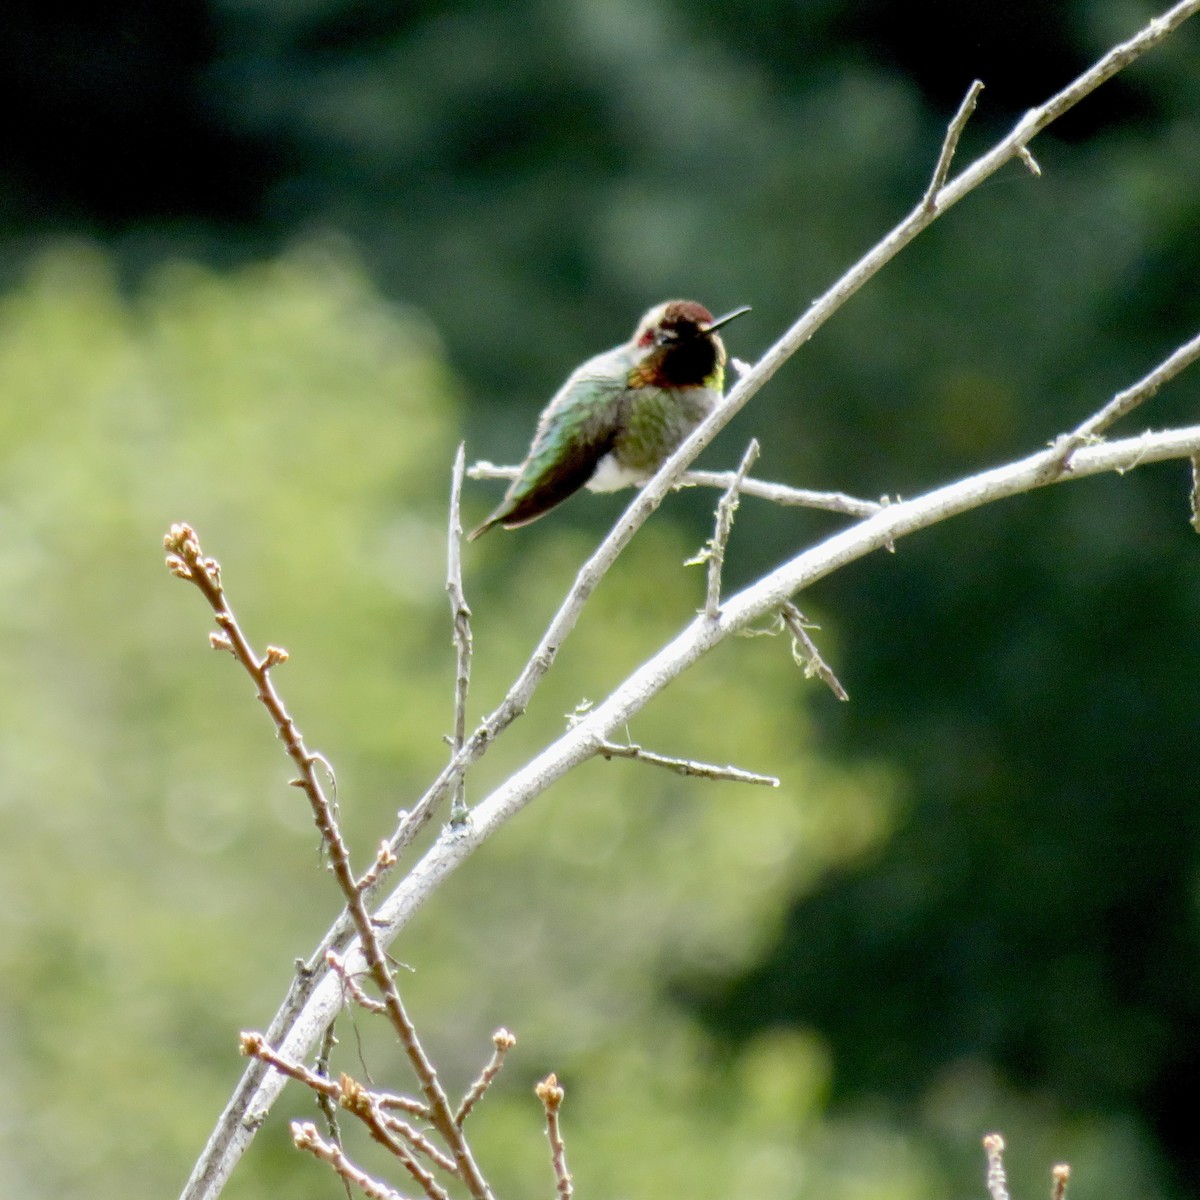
[(717, 322)]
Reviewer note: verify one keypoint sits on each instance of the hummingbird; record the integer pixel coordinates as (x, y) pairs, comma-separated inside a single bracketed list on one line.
[(620, 415)]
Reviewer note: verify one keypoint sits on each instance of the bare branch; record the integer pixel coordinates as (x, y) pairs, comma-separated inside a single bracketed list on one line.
[(714, 553), (502, 1043), (461, 616), (1195, 493), (352, 988), (776, 493), (1059, 1175), (997, 1183), (1124, 402), (782, 494), (805, 651), (953, 134), (683, 766), (325, 1100), (551, 1094), (186, 560), (306, 1137)]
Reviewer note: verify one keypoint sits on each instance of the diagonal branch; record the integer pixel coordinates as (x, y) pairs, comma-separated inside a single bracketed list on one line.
[(1124, 402)]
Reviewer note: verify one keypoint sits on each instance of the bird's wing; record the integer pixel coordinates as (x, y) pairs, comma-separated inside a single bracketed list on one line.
[(575, 432)]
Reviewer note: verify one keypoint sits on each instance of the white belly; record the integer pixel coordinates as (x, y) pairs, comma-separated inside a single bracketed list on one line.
[(610, 476)]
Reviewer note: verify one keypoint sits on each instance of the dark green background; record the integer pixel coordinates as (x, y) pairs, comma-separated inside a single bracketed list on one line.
[(265, 262)]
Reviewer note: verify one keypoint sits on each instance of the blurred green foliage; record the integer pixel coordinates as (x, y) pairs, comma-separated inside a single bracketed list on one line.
[(972, 905), (159, 874)]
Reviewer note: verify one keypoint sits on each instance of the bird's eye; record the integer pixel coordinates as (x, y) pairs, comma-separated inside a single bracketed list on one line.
[(667, 335)]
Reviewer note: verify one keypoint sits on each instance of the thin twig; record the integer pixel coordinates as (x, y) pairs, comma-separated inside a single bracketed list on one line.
[(1124, 402), (306, 1137), (325, 1100), (186, 560), (502, 1043), (351, 985), (714, 552), (1060, 1173), (417, 1140), (551, 1094), (365, 1105), (1195, 493), (953, 133), (683, 766), (805, 651), (997, 1183), (782, 494), (461, 616), (362, 1103), (775, 493), (415, 1108)]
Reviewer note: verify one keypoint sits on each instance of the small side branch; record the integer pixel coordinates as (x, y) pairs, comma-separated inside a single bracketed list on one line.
[(781, 494), (1123, 403), (551, 1094), (502, 1043), (1195, 493), (997, 1181), (461, 616), (805, 651), (1059, 1176), (684, 766), (714, 552), (941, 172), (774, 493), (306, 1137)]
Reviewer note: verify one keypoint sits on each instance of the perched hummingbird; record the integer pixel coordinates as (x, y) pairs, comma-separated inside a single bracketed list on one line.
[(622, 413)]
